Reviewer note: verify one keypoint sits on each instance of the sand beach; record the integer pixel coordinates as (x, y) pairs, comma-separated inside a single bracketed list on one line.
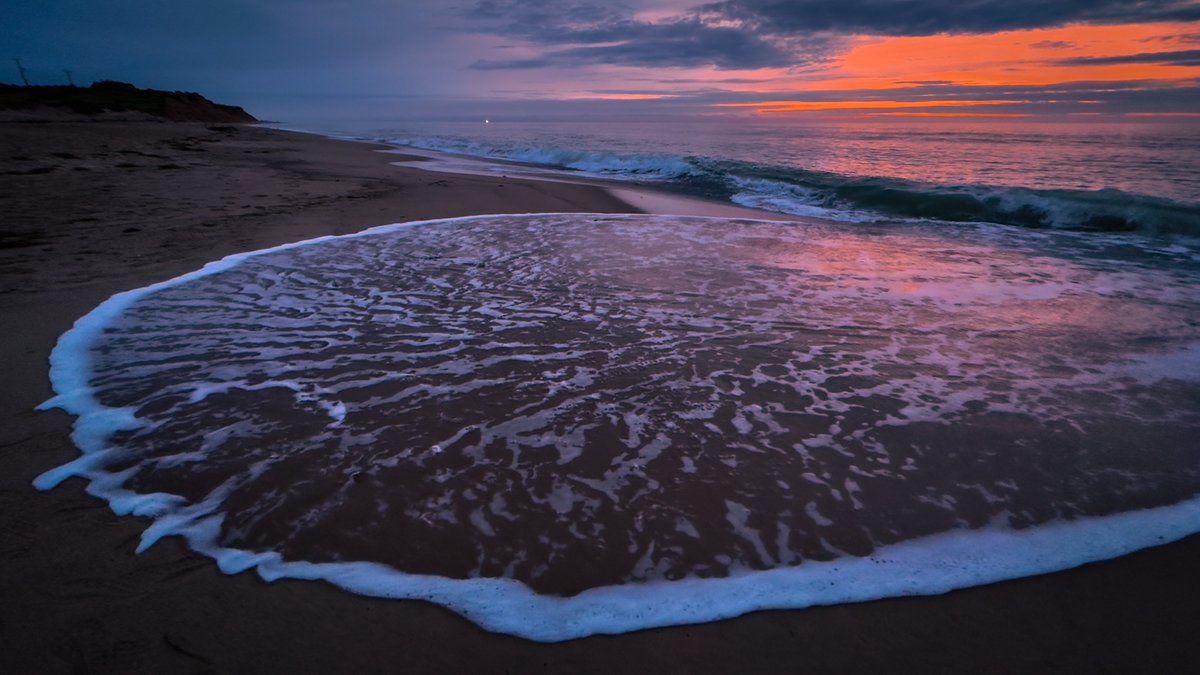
[(92, 208)]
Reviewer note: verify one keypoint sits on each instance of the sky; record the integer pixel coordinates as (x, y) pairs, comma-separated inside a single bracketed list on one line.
[(982, 59)]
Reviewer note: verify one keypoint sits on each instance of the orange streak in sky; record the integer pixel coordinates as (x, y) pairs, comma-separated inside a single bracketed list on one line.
[(915, 67), (1013, 57), (807, 106)]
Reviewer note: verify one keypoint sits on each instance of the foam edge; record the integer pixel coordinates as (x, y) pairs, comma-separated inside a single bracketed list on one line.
[(927, 566)]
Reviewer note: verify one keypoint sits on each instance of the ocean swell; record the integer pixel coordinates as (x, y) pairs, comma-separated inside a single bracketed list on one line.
[(860, 199), (845, 198)]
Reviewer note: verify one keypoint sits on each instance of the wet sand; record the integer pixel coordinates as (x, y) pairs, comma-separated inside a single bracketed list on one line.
[(89, 209)]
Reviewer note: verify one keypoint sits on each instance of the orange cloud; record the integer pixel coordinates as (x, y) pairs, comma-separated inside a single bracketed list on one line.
[(1028, 57), (813, 106), (897, 68)]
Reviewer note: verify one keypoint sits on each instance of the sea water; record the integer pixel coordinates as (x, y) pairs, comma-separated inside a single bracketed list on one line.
[(567, 424), (1127, 176)]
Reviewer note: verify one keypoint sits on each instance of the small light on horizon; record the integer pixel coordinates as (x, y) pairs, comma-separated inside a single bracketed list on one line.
[(487, 121)]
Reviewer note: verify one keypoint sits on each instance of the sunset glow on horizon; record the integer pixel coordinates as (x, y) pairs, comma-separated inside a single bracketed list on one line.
[(899, 72), (1031, 57), (787, 61), (821, 106)]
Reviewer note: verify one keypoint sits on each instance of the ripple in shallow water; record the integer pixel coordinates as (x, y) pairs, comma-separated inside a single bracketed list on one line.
[(579, 401)]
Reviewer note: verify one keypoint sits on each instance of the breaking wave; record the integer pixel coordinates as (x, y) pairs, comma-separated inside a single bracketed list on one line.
[(850, 198)]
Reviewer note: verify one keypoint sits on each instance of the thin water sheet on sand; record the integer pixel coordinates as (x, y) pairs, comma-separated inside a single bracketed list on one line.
[(566, 424)]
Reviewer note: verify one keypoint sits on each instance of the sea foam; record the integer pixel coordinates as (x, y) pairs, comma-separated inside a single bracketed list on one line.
[(985, 297)]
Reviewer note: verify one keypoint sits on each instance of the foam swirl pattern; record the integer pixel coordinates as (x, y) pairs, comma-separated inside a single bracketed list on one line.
[(566, 424)]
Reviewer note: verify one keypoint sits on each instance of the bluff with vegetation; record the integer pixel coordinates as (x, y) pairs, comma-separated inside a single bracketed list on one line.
[(109, 96)]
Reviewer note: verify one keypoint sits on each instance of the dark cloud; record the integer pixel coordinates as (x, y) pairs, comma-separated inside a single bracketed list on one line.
[(589, 33), (705, 81), (1052, 44), (550, 21), (512, 64), (930, 17), (1185, 38), (1188, 57), (673, 44)]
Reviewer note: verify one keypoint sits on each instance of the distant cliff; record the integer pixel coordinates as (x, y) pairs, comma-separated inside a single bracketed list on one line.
[(109, 96)]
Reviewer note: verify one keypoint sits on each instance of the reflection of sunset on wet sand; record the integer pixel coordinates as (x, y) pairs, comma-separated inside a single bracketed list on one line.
[(605, 406)]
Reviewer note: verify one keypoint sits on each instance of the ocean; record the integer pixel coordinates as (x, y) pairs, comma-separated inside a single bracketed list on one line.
[(986, 365), (1132, 176)]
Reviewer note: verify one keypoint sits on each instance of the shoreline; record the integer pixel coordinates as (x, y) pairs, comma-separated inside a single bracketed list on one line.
[(78, 598), (640, 196)]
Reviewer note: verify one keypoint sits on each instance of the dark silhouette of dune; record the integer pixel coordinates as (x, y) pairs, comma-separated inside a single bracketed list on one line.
[(110, 96)]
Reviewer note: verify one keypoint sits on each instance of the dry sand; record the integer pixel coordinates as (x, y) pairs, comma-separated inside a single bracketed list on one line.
[(91, 208)]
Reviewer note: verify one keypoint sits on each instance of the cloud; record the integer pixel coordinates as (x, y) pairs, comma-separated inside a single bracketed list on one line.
[(250, 50), (1188, 57), (584, 33), (1185, 38), (1069, 98), (931, 17), (669, 44), (757, 34), (1101, 97), (1053, 44)]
